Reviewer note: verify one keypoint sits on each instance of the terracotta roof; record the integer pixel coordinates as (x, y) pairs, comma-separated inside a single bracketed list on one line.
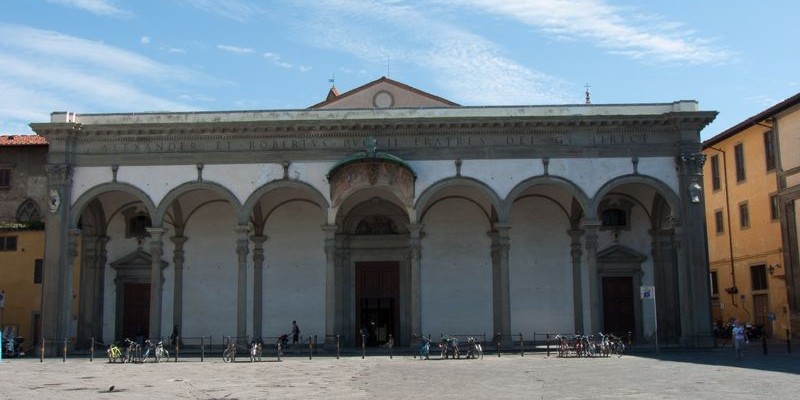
[(375, 82), (760, 117), (22, 140)]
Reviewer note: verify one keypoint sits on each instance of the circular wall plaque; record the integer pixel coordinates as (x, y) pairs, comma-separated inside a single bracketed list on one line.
[(383, 99)]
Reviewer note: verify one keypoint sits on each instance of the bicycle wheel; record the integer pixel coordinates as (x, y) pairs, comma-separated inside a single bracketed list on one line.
[(228, 355)]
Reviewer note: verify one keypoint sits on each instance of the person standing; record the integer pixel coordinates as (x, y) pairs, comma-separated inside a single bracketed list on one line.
[(739, 338), (295, 333)]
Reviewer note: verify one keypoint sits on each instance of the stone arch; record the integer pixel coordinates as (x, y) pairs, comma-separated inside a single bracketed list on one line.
[(428, 197), (570, 187), (29, 211), (225, 193), (80, 205), (314, 195), (660, 187)]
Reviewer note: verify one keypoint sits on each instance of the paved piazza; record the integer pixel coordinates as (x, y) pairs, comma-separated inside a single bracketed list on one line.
[(712, 374)]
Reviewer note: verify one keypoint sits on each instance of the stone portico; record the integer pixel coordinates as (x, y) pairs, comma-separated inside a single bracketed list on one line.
[(384, 208)]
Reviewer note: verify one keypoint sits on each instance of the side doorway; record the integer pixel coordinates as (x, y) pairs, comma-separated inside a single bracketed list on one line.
[(619, 316)]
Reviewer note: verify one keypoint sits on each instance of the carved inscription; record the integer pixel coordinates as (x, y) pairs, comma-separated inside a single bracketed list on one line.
[(355, 143)]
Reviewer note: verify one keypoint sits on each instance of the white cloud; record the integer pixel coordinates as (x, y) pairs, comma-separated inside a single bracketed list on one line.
[(45, 71), (635, 35), (196, 97), (100, 7), (175, 50), (144, 40), (233, 9), (235, 49), (470, 68), (279, 62)]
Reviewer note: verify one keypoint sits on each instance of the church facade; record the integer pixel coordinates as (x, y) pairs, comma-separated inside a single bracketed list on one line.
[(384, 208)]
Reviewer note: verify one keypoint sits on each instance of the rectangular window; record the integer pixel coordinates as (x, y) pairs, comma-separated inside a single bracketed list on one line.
[(8, 243), (718, 222), (715, 182), (758, 277), (774, 208), (744, 215), (714, 284), (739, 155), (769, 149), (5, 177), (37, 271)]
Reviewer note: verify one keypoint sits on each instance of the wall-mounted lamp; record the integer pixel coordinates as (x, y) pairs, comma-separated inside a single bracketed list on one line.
[(772, 268)]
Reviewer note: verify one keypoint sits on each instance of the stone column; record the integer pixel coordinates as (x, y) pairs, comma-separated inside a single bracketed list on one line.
[(57, 279), (501, 299), (100, 284), (242, 248), (415, 255), (177, 284), (258, 283), (88, 290), (156, 280), (331, 328), (577, 278), (666, 284), (693, 262), (590, 237)]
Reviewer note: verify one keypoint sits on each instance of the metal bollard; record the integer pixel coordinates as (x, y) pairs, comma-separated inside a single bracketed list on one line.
[(337, 347), (764, 344), (391, 345), (498, 338), (64, 358), (202, 348), (41, 352), (310, 347), (91, 353), (177, 347), (521, 346), (547, 343), (363, 345), (788, 341)]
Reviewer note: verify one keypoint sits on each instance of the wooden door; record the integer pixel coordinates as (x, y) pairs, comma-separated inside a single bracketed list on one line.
[(136, 311), (377, 296), (618, 307)]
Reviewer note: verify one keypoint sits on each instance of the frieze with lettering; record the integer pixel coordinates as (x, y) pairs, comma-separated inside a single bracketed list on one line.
[(355, 143)]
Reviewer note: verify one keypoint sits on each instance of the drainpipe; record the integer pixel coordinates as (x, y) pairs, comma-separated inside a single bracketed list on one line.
[(730, 227)]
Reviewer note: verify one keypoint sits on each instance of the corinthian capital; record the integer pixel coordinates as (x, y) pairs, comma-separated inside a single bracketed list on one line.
[(59, 174)]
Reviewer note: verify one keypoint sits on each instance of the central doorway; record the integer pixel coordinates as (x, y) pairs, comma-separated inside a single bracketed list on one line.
[(377, 301)]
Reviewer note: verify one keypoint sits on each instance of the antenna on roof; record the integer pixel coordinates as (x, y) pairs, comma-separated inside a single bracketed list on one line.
[(332, 80), (588, 100)]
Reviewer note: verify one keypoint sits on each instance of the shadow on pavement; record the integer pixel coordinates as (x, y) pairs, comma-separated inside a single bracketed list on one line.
[(777, 358)]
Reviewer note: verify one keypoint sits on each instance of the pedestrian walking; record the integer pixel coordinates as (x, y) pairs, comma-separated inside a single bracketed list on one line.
[(739, 336), (295, 333)]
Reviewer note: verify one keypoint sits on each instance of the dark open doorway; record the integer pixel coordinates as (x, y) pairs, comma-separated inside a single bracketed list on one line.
[(136, 310), (377, 301), (618, 308)]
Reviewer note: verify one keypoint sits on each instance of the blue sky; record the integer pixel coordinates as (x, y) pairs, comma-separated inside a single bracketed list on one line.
[(102, 56)]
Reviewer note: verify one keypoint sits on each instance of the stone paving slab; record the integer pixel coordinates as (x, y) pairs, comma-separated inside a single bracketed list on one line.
[(708, 374)]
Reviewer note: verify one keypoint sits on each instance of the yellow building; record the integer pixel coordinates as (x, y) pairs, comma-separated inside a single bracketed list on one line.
[(748, 280), (23, 188)]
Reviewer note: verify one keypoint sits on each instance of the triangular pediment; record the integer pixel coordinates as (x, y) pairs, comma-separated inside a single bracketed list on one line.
[(382, 93), (620, 254), (138, 259)]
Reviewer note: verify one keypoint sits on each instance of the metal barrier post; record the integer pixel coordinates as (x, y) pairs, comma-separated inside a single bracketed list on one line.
[(64, 358), (337, 347), (547, 343), (391, 345), (363, 344), (41, 352), (788, 341), (310, 347), (521, 346), (91, 354), (498, 338), (177, 347), (202, 348)]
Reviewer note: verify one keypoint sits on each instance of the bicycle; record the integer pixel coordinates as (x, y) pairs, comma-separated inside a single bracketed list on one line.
[(474, 348), (255, 351), (229, 355), (131, 351), (114, 353), (449, 346), (159, 351)]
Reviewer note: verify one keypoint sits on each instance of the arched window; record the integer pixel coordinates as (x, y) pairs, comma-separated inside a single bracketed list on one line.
[(28, 211)]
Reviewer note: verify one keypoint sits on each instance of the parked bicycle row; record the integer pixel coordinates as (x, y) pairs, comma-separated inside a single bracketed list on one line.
[(598, 345), (131, 352)]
